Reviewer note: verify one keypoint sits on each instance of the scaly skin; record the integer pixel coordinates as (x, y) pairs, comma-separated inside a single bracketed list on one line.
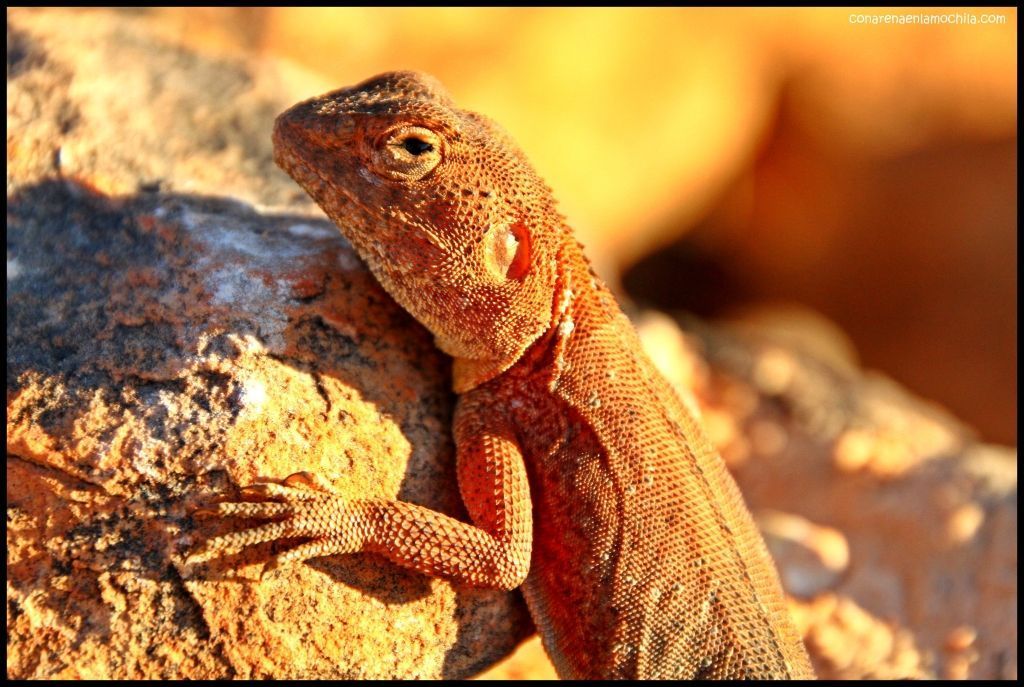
[(587, 481)]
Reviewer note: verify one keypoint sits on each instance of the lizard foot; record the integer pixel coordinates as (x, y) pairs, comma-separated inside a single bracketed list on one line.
[(301, 506)]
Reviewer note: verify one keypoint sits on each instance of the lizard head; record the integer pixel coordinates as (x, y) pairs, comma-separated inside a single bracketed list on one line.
[(443, 207)]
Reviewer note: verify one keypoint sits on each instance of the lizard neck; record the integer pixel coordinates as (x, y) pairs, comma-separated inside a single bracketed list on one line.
[(469, 373)]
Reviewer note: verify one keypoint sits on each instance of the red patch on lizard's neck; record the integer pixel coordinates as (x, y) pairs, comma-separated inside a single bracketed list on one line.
[(520, 264)]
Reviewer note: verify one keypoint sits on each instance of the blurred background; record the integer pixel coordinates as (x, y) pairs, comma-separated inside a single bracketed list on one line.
[(727, 161)]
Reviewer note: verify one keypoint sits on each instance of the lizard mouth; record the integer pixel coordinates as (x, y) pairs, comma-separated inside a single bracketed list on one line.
[(296, 154)]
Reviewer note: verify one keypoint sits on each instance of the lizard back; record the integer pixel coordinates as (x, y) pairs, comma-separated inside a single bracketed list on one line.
[(657, 568)]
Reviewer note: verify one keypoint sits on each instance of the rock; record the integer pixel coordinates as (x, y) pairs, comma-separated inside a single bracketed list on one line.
[(165, 347), (811, 559)]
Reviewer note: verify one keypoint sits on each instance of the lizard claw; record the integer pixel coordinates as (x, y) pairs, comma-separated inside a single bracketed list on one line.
[(255, 491), (269, 567), (293, 490), (307, 480), (203, 512), (299, 506)]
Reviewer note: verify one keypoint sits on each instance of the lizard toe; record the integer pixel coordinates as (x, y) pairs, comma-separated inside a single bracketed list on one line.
[(273, 490), (307, 480)]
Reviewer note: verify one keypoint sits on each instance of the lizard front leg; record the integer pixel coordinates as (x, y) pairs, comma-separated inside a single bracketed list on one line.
[(493, 551)]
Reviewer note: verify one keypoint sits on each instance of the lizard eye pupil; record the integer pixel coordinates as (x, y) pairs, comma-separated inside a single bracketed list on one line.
[(416, 146)]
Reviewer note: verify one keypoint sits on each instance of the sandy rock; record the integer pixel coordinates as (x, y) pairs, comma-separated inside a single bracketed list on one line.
[(165, 348)]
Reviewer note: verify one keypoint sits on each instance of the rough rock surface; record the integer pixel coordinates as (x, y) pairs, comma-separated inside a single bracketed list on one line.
[(164, 348), (167, 343)]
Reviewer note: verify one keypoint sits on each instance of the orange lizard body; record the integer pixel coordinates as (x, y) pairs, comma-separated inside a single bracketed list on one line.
[(587, 481)]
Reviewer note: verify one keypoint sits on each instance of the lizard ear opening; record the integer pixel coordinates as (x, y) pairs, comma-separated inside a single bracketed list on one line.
[(510, 249)]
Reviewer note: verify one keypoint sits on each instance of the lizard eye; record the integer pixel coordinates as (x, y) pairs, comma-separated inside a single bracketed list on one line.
[(408, 154), (417, 146)]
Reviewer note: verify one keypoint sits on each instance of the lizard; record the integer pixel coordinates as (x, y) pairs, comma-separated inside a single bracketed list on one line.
[(587, 481)]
